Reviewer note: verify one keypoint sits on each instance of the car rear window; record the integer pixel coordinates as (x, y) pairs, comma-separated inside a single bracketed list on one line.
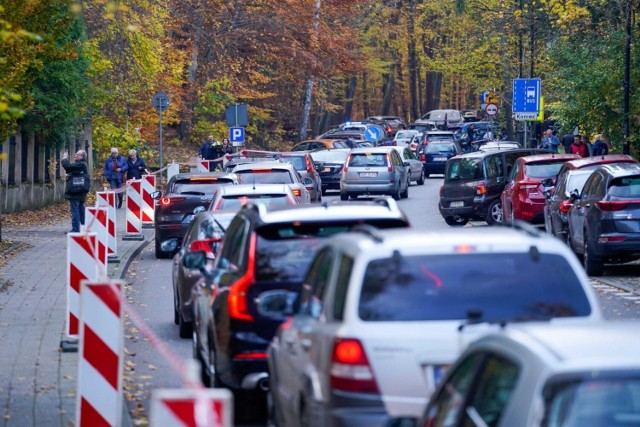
[(330, 156), (464, 169), (368, 159), (576, 181), (199, 186), (542, 170), (265, 176), (627, 187), (297, 162), (238, 201), (339, 144), (440, 148), (496, 286)]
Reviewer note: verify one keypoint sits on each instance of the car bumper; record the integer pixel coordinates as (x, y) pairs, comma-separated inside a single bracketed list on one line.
[(386, 188), (435, 167), (361, 410), (477, 210), (628, 248), (171, 230)]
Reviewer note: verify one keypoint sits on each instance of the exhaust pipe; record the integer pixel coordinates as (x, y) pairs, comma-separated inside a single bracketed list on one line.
[(263, 384), (256, 381)]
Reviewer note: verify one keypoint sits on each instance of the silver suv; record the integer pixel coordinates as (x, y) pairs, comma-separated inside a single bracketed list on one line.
[(549, 375), (378, 320), (375, 170)]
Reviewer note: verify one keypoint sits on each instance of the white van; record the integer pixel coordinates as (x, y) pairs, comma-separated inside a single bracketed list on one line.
[(451, 117)]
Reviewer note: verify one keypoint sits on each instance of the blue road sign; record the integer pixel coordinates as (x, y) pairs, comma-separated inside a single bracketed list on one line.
[(372, 134), (526, 95), (236, 136), (483, 96)]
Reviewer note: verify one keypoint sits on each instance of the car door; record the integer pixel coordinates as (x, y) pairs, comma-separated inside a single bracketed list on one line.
[(508, 192), (552, 215), (577, 214), (415, 165), (404, 171)]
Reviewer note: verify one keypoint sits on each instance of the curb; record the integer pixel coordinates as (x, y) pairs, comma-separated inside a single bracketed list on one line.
[(614, 284), (133, 255)]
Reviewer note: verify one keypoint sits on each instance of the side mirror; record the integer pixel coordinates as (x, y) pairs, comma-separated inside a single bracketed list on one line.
[(319, 166), (199, 209), (194, 260), (156, 195), (307, 181), (209, 246), (169, 245), (278, 303), (574, 195), (547, 182), (407, 164)]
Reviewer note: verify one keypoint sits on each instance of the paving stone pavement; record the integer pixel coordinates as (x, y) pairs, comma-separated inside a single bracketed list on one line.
[(37, 381)]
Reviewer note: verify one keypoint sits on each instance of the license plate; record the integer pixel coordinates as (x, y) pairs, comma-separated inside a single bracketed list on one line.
[(368, 174), (439, 159), (459, 204), (327, 170)]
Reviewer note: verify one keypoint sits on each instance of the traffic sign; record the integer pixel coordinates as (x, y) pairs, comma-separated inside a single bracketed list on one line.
[(372, 134), (237, 115), (525, 116), (491, 109), (236, 136), (160, 101), (492, 98), (483, 96), (526, 96)]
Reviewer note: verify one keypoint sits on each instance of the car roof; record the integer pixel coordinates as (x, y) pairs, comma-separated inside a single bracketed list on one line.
[(235, 190), (181, 176), (621, 169), (551, 158), (607, 158), (384, 149), (263, 165), (439, 132), (491, 153)]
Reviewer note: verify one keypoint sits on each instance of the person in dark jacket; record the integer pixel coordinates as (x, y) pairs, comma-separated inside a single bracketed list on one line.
[(600, 146), (76, 200), (567, 140), (135, 166), (114, 169), (207, 151)]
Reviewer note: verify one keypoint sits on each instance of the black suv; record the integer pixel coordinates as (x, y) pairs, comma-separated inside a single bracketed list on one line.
[(264, 250), (473, 183)]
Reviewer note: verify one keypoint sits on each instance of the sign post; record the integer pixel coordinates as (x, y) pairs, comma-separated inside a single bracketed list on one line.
[(236, 136), (160, 102), (526, 101)]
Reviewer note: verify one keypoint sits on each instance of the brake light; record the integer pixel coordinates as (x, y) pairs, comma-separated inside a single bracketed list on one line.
[(441, 190), (525, 186), (254, 355), (297, 192), (613, 205), (606, 239), (390, 167), (237, 298), (565, 206), (309, 167), (168, 200), (423, 157), (481, 189), (346, 163), (218, 205), (204, 245), (350, 369)]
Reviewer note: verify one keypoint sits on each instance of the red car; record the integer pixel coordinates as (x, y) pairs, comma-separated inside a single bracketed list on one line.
[(523, 197)]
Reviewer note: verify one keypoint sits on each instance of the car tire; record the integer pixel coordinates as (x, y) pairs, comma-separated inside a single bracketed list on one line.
[(185, 329), (396, 195), (421, 179), (160, 254), (456, 221), (427, 174), (344, 196), (494, 213), (592, 263), (324, 191), (405, 194)]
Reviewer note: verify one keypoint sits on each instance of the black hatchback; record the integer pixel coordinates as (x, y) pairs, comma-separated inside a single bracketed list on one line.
[(604, 222)]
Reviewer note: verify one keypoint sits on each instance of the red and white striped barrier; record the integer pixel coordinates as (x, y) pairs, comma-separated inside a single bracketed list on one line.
[(133, 229), (107, 199), (148, 203), (203, 165), (191, 408), (81, 265), (99, 397), (97, 221)]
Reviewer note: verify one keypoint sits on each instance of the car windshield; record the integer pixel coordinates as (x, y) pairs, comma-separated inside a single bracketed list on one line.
[(420, 127), (542, 170), (527, 285), (368, 159), (199, 186), (600, 402), (576, 181), (440, 148), (330, 156), (626, 187), (298, 162), (238, 201), (265, 176), (463, 169), (405, 134)]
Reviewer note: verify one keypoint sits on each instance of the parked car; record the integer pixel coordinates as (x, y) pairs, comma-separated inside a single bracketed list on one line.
[(443, 118), (204, 234), (473, 183), (318, 144), (379, 317), (544, 375), (427, 137), (486, 145), (435, 155), (423, 126), (392, 123), (240, 195), (403, 137), (374, 171), (604, 222), (331, 162), (307, 168), (416, 170), (523, 197), (470, 115), (571, 177), (185, 195), (275, 172), (263, 251)]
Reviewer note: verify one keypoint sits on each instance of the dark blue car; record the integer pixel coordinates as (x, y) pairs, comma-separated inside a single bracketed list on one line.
[(434, 156)]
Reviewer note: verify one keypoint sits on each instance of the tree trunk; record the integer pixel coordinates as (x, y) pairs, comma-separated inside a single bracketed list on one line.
[(433, 90), (365, 96), (348, 106), (388, 90), (306, 110)]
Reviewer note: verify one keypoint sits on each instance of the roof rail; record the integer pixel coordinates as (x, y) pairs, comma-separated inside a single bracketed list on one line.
[(369, 230), (522, 226)]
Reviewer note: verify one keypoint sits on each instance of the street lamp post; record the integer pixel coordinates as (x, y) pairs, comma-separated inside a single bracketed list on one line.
[(627, 78)]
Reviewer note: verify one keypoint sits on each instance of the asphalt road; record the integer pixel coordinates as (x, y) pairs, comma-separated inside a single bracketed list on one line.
[(151, 295)]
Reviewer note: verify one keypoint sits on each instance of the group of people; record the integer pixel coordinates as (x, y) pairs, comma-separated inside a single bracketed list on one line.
[(214, 151), (575, 144), (114, 171)]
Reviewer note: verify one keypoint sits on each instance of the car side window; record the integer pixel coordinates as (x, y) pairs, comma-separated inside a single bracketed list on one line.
[(492, 391), (234, 246), (345, 265), (515, 171), (561, 184), (494, 166), (591, 184), (444, 411), (510, 159), (316, 282), (398, 159), (601, 188)]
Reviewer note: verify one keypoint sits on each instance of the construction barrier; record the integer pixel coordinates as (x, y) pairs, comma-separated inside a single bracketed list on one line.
[(191, 408), (107, 199), (202, 166), (97, 221), (148, 186), (99, 396), (133, 229), (81, 265)]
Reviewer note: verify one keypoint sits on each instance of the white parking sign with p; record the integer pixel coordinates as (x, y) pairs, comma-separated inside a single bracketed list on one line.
[(236, 136)]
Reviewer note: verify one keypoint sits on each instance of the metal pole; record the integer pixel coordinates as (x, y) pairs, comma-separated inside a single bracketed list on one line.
[(160, 124), (526, 141), (627, 78)]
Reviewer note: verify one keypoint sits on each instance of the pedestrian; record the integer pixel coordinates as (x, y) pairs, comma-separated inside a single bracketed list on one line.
[(578, 147), (227, 147), (136, 167), (600, 146), (206, 151), (114, 169), (550, 141), (567, 141), (78, 185), (218, 153), (586, 143)]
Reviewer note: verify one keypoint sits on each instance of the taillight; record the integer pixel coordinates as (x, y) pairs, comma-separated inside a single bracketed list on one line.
[(309, 167), (346, 163), (248, 356), (168, 200), (297, 192), (423, 157), (205, 245), (218, 204), (237, 298), (390, 167), (350, 369), (565, 206), (524, 186), (441, 190), (481, 189), (613, 205), (607, 239)]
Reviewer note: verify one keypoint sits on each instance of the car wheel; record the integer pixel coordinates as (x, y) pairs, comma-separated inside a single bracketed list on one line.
[(405, 194), (456, 221), (160, 254), (494, 213), (176, 315), (592, 264), (421, 179), (324, 191), (353, 196), (396, 195), (185, 329), (344, 196)]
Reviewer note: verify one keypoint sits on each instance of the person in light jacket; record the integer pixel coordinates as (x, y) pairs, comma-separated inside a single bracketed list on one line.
[(114, 169)]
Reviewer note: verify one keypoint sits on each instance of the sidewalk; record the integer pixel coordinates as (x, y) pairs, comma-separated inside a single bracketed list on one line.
[(37, 381)]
